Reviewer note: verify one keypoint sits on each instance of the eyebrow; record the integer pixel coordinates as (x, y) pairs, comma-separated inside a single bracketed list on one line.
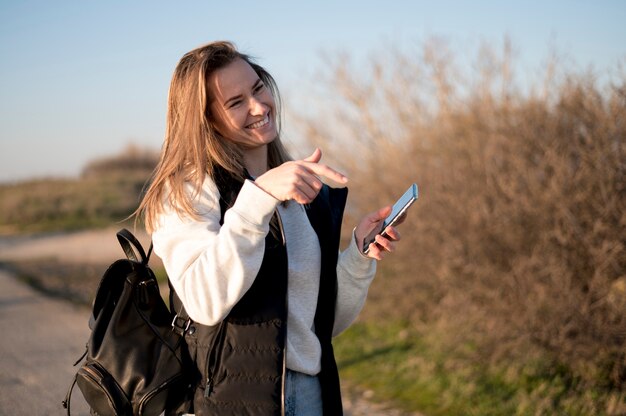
[(239, 96)]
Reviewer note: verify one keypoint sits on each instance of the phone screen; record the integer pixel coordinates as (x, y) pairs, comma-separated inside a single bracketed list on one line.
[(399, 208)]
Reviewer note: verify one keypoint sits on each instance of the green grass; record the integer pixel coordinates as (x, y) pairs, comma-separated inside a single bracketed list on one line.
[(417, 373)]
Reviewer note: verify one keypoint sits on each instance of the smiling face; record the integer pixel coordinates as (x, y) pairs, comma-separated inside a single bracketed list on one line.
[(242, 106)]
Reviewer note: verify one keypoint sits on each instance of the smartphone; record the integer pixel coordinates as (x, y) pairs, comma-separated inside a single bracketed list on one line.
[(399, 209)]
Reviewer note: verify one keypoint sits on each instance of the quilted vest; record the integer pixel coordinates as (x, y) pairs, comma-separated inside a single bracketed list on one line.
[(240, 363)]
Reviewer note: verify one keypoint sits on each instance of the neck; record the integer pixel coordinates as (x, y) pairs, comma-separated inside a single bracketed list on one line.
[(255, 160)]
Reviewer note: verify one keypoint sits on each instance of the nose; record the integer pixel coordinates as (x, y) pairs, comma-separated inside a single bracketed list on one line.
[(256, 107)]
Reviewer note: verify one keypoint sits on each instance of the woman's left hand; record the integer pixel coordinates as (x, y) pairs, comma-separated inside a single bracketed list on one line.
[(382, 244)]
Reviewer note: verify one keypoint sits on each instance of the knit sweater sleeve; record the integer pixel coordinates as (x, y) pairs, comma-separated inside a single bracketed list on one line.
[(211, 266), (355, 273)]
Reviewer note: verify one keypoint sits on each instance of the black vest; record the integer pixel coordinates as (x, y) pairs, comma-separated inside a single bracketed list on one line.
[(241, 361)]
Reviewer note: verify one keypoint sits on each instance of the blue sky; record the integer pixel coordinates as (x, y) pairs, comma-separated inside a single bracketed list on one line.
[(82, 79)]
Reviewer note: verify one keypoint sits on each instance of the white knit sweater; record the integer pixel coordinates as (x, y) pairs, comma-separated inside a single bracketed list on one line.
[(211, 266)]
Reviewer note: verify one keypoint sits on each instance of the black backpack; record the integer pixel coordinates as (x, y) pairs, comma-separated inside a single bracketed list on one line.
[(136, 359)]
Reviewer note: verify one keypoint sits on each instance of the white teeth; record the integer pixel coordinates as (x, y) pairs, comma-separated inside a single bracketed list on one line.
[(260, 123)]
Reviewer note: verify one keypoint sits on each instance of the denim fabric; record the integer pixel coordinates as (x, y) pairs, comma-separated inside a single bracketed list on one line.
[(303, 395)]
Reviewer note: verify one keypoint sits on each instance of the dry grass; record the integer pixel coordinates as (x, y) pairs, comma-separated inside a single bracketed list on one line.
[(516, 245)]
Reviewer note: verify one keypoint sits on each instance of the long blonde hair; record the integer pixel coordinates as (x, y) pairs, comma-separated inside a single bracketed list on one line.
[(192, 147)]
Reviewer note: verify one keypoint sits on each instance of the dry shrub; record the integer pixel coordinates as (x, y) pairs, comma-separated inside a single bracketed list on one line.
[(517, 241), (132, 159)]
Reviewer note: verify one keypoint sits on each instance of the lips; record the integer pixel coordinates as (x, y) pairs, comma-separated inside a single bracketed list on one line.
[(259, 123)]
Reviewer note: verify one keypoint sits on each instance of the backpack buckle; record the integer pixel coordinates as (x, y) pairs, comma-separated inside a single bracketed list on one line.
[(180, 325)]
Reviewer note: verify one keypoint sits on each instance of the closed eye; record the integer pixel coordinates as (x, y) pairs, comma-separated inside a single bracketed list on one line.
[(234, 104), (259, 87)]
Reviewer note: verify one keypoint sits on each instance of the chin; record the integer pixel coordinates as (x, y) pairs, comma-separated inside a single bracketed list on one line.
[(268, 139), (256, 143)]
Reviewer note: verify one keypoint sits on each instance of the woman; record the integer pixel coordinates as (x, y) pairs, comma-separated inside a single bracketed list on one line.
[(250, 242)]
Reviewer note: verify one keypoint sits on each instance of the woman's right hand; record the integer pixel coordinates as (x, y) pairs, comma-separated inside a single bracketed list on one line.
[(298, 179)]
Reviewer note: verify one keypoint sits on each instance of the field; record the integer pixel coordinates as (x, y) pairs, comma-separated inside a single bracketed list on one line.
[(507, 293)]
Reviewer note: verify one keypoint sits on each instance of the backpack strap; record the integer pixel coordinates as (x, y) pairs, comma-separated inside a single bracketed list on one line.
[(228, 188), (132, 246), (181, 321), (68, 397), (134, 252)]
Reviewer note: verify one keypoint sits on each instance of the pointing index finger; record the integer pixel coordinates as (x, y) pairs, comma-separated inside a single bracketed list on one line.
[(327, 174)]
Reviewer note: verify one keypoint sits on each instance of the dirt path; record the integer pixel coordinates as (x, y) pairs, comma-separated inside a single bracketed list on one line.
[(42, 337), (91, 246)]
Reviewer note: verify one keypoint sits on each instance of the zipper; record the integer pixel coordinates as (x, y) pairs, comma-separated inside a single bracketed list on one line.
[(280, 226), (217, 346), (94, 373), (146, 399), (215, 355), (284, 369), (284, 374)]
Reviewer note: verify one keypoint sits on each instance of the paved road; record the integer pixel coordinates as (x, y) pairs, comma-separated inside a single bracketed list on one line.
[(38, 345)]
